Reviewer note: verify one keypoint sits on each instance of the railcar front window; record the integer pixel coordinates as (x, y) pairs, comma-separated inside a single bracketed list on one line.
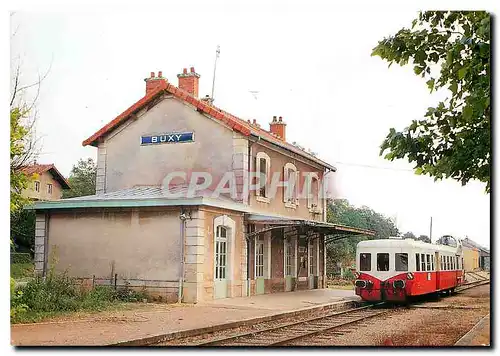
[(365, 261), (428, 262), (382, 261), (432, 262), (422, 261), (401, 262), (417, 261)]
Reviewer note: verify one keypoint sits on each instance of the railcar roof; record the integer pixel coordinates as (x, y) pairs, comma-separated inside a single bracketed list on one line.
[(405, 243)]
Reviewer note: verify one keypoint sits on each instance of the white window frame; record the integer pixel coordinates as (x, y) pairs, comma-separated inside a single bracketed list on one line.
[(259, 156), (312, 176), (49, 188), (36, 186), (290, 201)]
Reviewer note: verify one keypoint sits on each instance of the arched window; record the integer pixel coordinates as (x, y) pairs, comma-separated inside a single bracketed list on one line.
[(290, 186), (263, 169)]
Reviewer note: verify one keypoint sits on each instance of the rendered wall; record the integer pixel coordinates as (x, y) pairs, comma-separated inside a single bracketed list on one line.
[(139, 246), (127, 163), (276, 204), (44, 179)]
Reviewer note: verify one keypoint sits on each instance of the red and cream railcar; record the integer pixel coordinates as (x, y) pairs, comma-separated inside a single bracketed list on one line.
[(396, 269)]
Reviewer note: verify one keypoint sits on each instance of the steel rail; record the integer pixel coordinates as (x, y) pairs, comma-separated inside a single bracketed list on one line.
[(341, 314), (327, 329)]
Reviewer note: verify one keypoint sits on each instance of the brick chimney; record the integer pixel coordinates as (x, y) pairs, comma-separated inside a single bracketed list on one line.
[(278, 127), (189, 81), (153, 82)]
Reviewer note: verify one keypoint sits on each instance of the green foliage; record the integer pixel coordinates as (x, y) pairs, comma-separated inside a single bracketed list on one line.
[(58, 293), (16, 257), (409, 235), (22, 270), (349, 275), (451, 50), (424, 238), (18, 145), (82, 179), (339, 211), (17, 307), (22, 230)]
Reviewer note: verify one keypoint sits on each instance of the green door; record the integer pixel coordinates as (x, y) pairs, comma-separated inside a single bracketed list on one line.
[(259, 266)]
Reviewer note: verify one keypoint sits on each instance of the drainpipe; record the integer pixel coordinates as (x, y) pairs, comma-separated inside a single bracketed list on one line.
[(183, 218)]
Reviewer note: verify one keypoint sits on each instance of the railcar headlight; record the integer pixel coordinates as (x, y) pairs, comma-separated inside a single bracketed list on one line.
[(409, 275), (398, 284), (360, 283)]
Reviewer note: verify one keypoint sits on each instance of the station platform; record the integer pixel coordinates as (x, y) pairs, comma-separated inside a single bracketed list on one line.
[(285, 301), (145, 323)]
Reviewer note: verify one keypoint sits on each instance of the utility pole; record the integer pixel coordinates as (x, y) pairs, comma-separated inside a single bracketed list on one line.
[(217, 53), (430, 231)]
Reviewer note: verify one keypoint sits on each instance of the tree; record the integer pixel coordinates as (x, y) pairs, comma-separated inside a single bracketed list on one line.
[(82, 179), (20, 153), (409, 235), (450, 49), (424, 238), (343, 250)]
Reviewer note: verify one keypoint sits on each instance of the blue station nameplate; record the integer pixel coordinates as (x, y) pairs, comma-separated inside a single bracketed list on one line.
[(174, 137)]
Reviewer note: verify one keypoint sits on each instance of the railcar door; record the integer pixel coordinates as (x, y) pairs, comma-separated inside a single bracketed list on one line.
[(458, 272), (438, 271)]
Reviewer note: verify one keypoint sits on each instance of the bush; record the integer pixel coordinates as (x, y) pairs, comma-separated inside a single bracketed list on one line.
[(57, 293), (17, 308), (348, 275)]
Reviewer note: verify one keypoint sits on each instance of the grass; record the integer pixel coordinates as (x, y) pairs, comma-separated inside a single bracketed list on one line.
[(22, 270), (31, 316), (346, 287), (340, 283)]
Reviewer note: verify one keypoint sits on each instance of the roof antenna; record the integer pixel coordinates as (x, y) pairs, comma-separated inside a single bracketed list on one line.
[(217, 53)]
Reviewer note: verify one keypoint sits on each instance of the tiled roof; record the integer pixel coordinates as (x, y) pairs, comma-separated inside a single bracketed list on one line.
[(41, 168), (232, 121)]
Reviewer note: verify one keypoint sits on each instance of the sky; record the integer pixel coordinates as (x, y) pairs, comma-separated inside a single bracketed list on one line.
[(312, 66)]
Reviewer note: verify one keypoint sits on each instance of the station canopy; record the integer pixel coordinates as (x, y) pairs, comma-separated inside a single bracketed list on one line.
[(333, 231)]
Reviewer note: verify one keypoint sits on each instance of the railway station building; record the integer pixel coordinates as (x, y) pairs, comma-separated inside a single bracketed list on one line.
[(188, 205)]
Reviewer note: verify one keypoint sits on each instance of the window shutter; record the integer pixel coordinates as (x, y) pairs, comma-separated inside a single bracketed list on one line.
[(285, 185), (256, 172), (297, 187)]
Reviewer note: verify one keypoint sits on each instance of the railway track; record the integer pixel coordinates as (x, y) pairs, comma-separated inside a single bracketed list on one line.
[(314, 329), (283, 334), (472, 285)]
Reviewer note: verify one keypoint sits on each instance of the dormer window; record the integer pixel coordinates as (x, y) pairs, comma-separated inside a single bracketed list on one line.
[(291, 185), (263, 169), (313, 191)]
